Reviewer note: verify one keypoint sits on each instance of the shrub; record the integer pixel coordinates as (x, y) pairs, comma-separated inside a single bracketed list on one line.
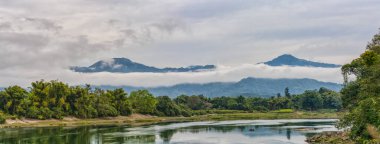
[(125, 109), (185, 112), (106, 111), (284, 111), (167, 107), (2, 118)]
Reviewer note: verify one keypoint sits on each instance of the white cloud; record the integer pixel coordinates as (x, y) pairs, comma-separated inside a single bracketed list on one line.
[(42, 38), (221, 74)]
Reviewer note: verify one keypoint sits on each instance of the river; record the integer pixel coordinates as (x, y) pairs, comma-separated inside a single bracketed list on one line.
[(292, 131)]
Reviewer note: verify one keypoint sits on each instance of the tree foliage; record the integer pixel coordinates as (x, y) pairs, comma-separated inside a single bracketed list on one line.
[(143, 102), (361, 95), (167, 107), (193, 102), (11, 99), (2, 118), (55, 99)]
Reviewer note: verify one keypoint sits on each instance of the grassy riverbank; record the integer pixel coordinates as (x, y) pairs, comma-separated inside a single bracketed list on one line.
[(137, 119), (330, 138)]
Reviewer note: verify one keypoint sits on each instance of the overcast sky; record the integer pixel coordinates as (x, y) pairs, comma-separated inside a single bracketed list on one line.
[(40, 39)]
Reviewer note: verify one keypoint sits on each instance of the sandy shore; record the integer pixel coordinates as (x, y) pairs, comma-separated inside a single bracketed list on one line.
[(73, 121)]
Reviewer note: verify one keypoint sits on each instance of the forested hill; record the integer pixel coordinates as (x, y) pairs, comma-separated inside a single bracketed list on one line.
[(263, 87)]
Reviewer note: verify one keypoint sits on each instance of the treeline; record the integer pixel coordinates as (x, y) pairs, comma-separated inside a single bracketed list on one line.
[(55, 99), (310, 100)]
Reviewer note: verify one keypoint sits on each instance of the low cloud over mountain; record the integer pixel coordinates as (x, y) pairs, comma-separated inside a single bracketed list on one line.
[(124, 65)]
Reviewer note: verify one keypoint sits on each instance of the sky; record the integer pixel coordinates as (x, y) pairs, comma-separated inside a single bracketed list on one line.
[(41, 39)]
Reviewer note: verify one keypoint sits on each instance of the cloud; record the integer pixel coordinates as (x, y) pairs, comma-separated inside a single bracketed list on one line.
[(42, 38), (221, 74)]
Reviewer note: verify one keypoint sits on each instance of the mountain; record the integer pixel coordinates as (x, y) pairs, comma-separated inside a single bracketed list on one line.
[(124, 65), (290, 60), (263, 87)]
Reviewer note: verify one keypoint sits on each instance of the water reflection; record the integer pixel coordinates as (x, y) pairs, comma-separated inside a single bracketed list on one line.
[(261, 131)]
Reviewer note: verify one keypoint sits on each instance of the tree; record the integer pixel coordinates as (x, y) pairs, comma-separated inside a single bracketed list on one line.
[(2, 118), (11, 98), (311, 100), (103, 104), (219, 102), (361, 95), (287, 93), (143, 102), (167, 107), (120, 101), (57, 93), (193, 102), (240, 101), (40, 101), (232, 104), (83, 102), (331, 99)]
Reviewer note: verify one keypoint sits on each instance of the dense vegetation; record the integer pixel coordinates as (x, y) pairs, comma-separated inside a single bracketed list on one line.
[(54, 99), (310, 100), (361, 96)]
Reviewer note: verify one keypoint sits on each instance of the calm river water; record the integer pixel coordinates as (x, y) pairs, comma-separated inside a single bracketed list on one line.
[(221, 132)]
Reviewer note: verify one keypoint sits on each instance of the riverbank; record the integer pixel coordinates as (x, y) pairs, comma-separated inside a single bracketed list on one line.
[(138, 119), (330, 137)]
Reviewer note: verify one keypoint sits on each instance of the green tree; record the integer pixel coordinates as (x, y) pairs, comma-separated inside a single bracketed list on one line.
[(103, 104), (240, 101), (2, 118), (11, 98), (287, 93), (361, 95), (166, 107), (84, 104), (311, 100), (57, 93), (194, 102), (220, 102), (143, 102), (331, 99), (40, 101), (120, 101)]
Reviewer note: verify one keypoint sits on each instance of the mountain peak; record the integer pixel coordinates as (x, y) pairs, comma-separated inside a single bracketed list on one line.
[(121, 59), (290, 60), (110, 63), (287, 56)]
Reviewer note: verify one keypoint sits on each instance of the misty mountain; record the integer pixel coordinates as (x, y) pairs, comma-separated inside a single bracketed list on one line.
[(124, 65), (290, 60), (263, 87)]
